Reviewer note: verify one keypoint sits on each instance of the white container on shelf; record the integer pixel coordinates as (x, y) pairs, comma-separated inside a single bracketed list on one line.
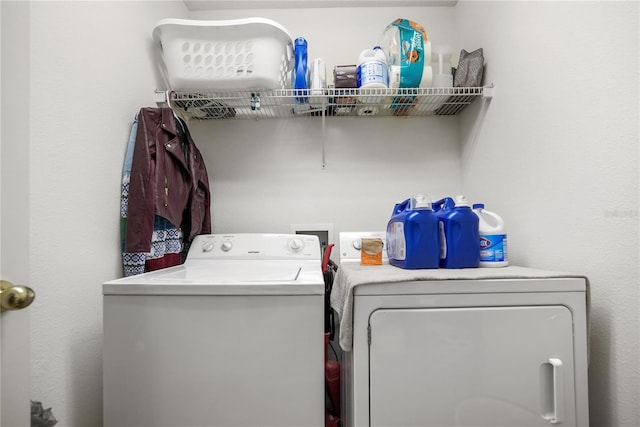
[(372, 69), (318, 84), (442, 76), (252, 53), (372, 73)]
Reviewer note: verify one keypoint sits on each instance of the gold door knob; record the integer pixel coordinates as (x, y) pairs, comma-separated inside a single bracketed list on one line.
[(15, 297)]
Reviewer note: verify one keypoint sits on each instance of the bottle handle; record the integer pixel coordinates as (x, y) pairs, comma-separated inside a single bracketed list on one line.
[(495, 216), (401, 207), (445, 203)]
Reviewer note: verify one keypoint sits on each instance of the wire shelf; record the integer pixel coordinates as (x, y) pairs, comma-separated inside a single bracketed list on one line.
[(289, 103)]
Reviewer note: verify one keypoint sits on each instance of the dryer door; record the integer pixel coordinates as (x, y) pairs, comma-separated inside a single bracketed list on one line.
[(480, 366)]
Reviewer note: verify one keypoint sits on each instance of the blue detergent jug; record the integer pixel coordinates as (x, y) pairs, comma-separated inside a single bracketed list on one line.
[(459, 235), (412, 235)]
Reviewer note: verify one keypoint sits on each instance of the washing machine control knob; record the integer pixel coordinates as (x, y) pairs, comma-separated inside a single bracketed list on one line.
[(207, 246), (295, 245), (357, 244), (226, 246)]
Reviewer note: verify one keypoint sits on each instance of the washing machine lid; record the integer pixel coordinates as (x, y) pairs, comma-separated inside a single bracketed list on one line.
[(228, 277)]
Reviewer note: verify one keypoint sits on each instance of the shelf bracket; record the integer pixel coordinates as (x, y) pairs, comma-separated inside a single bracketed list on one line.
[(160, 98), (324, 135), (487, 91)]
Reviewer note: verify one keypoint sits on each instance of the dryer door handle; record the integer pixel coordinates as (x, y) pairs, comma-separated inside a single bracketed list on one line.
[(552, 392)]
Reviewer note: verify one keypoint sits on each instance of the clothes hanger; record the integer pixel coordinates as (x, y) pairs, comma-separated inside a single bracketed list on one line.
[(169, 94)]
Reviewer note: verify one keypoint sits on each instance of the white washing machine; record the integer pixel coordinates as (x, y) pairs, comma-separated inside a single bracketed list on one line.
[(233, 337), (473, 347)]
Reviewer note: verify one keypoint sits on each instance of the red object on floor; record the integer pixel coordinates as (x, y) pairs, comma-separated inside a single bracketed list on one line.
[(332, 379), (332, 382)]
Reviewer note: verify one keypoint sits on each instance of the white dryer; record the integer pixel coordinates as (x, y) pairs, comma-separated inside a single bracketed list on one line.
[(473, 347), (233, 337)]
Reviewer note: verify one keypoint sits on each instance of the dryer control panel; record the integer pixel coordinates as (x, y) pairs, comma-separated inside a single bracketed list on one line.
[(350, 245), (255, 246)]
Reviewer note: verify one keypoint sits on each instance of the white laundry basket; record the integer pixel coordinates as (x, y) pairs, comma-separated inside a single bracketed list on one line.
[(252, 53)]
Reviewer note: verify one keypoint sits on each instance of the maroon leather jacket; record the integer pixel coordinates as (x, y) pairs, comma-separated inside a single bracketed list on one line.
[(168, 178)]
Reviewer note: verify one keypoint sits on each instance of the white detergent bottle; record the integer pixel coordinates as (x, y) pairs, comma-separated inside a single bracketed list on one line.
[(372, 73), (493, 238)]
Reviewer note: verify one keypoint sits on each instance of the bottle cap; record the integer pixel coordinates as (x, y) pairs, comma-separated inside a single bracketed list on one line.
[(461, 200), (422, 201)]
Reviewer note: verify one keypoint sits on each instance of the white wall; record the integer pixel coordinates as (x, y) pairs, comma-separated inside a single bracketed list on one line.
[(557, 156), (92, 68), (267, 175)]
